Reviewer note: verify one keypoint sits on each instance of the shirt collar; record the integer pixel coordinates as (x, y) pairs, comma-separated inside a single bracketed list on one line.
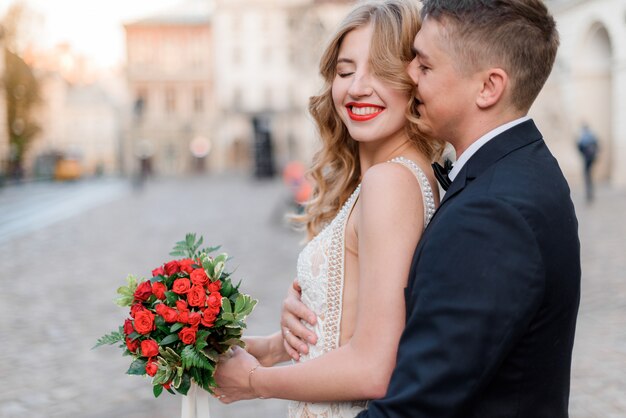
[(476, 145)]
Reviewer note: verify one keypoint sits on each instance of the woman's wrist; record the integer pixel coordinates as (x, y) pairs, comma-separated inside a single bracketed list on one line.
[(252, 374), (279, 354)]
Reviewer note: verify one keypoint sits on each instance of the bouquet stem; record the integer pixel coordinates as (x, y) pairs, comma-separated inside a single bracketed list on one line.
[(196, 403)]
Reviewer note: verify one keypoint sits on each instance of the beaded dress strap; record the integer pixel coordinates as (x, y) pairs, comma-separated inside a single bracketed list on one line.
[(427, 191)]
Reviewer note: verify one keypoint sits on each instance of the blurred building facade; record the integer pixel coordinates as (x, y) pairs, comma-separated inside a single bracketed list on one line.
[(587, 85), (230, 78), (170, 79), (266, 61), (79, 116), (4, 129)]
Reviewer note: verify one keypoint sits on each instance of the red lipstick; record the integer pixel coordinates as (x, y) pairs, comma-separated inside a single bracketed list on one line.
[(362, 118)]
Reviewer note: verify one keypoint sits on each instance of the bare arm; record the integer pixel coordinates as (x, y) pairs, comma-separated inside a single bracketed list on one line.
[(360, 369)]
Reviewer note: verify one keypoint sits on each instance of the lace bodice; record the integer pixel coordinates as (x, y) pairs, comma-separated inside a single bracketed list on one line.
[(321, 276)]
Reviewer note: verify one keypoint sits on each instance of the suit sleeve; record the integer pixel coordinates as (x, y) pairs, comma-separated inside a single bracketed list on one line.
[(478, 281)]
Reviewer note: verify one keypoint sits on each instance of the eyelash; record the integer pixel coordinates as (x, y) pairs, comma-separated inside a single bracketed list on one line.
[(344, 75)]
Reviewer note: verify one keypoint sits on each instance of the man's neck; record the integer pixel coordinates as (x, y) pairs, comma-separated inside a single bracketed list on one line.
[(481, 125)]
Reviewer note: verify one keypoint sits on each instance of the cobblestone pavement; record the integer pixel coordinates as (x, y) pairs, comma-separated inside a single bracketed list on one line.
[(59, 275)]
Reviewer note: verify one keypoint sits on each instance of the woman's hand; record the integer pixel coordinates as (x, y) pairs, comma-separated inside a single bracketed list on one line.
[(295, 334), (268, 350), (234, 376)]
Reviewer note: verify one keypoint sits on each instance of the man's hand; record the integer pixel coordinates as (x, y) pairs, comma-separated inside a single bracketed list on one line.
[(295, 334)]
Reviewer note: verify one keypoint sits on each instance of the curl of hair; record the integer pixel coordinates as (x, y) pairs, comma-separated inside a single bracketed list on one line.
[(336, 169)]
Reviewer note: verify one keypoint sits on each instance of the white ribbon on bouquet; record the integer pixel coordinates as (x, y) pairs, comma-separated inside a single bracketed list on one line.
[(196, 403)]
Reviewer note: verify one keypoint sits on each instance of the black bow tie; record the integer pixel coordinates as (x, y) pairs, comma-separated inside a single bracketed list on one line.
[(441, 173)]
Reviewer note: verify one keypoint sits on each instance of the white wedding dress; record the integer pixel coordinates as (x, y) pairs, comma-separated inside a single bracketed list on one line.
[(321, 277)]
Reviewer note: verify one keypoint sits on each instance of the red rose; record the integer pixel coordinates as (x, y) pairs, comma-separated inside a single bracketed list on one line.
[(181, 286), (196, 296), (214, 300), (181, 305), (136, 308), (172, 267), (188, 335), (194, 319), (144, 322), (183, 317), (128, 327), (159, 289), (132, 345), (199, 277), (208, 317), (149, 348), (151, 368), (158, 272), (214, 286), (169, 314), (144, 291), (167, 385), (186, 265)]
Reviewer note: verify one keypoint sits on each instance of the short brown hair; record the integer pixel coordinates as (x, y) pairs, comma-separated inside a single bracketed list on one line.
[(519, 36)]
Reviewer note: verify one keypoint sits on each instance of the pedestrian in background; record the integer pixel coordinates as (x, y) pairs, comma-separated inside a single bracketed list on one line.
[(588, 147)]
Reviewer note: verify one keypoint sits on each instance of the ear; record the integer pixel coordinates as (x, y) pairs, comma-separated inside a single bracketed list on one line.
[(495, 82)]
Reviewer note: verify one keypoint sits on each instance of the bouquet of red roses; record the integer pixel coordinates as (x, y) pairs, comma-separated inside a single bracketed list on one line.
[(181, 319)]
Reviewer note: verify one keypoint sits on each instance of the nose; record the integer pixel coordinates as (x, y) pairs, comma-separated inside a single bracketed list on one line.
[(361, 86), (413, 70)]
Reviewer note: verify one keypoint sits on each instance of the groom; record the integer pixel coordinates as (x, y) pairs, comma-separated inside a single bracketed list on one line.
[(494, 287)]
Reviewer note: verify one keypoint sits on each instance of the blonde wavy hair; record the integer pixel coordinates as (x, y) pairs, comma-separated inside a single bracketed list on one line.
[(336, 168)]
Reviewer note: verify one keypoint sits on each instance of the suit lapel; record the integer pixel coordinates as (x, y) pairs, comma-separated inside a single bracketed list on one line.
[(508, 141)]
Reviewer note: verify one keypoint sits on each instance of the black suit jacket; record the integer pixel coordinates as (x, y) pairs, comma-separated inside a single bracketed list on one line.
[(493, 292)]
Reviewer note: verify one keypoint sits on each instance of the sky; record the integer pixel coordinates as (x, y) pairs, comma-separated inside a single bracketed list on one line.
[(92, 27)]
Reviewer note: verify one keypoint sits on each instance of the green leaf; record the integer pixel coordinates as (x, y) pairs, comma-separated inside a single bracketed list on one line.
[(211, 354), (240, 303), (137, 367), (157, 390), (192, 358), (177, 326), (226, 306), (112, 338), (184, 385), (171, 297), (169, 339), (176, 381), (126, 292)]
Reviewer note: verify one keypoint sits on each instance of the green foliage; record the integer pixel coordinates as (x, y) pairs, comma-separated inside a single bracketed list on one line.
[(169, 339), (192, 358), (179, 364), (137, 367), (127, 292), (190, 247), (112, 338)]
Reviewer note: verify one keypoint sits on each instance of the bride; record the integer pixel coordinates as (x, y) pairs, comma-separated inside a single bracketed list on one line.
[(374, 194)]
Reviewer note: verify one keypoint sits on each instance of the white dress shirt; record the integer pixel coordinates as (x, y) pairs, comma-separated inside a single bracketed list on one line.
[(476, 145)]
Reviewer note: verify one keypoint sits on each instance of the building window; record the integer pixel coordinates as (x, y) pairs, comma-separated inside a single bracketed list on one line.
[(170, 100), (198, 99)]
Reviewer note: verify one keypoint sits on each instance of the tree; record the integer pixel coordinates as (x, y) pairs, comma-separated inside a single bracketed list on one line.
[(22, 95), (22, 91)]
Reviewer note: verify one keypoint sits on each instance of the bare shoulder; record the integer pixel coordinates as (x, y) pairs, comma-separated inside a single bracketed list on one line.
[(389, 184), (389, 178)]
